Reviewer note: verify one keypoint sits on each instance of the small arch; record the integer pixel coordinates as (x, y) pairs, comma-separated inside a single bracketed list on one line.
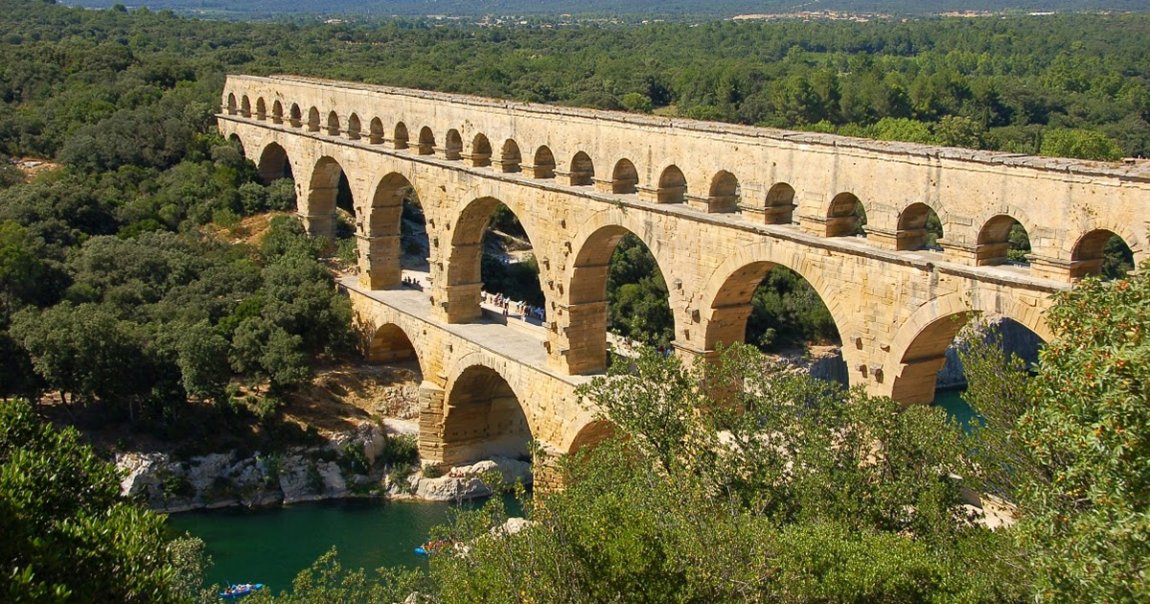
[(483, 419), (277, 112), (453, 145), (333, 128), (509, 158), (780, 206), (390, 344), (672, 186), (400, 138), (296, 116), (273, 164), (544, 163), (375, 131), (582, 171), (353, 127), (1101, 252), (1002, 240), (724, 195), (846, 216), (231, 107), (480, 151), (313, 120), (237, 141), (245, 106), (261, 109), (426, 142), (918, 229), (624, 178)]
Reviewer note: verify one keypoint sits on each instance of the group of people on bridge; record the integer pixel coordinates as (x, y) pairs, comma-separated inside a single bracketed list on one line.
[(524, 310)]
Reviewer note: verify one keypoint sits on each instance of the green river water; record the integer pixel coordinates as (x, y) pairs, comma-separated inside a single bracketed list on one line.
[(271, 546)]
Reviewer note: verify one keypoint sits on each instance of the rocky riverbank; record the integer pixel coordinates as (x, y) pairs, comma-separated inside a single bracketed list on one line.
[(371, 460)]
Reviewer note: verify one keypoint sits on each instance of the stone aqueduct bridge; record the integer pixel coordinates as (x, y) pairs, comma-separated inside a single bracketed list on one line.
[(718, 205)]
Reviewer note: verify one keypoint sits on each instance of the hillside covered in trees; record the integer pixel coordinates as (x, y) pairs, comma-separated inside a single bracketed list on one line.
[(667, 9)]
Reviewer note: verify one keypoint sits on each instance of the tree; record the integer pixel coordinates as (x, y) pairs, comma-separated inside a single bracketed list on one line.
[(1074, 441), (1078, 143), (68, 536)]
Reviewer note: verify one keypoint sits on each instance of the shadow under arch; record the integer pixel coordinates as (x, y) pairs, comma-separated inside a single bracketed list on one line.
[(590, 436), (483, 418), (1101, 252), (624, 178), (1002, 239), (273, 163), (919, 348), (846, 216), (918, 228), (389, 344), (328, 181)]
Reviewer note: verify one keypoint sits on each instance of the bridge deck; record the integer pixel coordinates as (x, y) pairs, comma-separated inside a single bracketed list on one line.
[(515, 340)]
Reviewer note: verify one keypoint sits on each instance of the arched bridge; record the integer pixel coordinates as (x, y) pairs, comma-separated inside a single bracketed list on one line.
[(718, 205)]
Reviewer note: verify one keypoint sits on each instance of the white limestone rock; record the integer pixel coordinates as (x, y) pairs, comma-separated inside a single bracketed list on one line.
[(466, 482), (298, 480)]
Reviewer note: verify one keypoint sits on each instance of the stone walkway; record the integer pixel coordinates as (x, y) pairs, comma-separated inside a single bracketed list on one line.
[(517, 340)]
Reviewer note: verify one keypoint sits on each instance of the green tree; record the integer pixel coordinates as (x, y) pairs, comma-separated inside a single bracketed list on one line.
[(68, 536), (1078, 143), (1072, 444)]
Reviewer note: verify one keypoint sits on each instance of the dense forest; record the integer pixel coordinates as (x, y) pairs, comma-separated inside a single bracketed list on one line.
[(665, 9), (123, 293)]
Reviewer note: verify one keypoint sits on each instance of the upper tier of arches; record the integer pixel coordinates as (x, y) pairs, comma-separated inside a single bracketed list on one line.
[(756, 176)]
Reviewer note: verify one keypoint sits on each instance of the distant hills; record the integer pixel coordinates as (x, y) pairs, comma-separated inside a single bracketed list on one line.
[(648, 8)]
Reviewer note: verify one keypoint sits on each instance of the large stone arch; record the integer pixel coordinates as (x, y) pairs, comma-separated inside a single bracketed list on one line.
[(725, 299), (274, 163), (483, 416), (380, 239), (318, 207), (586, 285), (464, 281), (918, 349)]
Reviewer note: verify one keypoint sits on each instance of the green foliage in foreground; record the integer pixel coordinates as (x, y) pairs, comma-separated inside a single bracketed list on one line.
[(707, 502), (67, 535), (1071, 445)]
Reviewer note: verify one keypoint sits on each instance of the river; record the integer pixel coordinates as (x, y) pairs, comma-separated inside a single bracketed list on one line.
[(272, 545)]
